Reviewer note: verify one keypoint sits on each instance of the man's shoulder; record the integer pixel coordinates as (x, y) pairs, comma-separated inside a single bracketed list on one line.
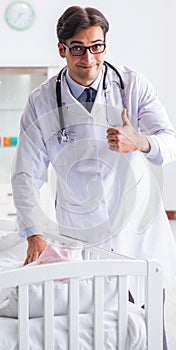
[(127, 72), (129, 76), (46, 85)]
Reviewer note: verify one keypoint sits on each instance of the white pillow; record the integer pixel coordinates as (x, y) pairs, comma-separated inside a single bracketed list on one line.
[(8, 240), (86, 293), (12, 256)]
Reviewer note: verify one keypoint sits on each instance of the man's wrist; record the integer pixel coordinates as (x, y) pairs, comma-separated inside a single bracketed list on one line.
[(144, 145), (35, 236)]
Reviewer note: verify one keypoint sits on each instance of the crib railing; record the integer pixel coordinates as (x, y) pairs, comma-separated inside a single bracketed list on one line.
[(98, 263), (122, 268)]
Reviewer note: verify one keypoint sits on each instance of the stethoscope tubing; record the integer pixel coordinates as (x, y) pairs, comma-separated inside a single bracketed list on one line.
[(63, 136)]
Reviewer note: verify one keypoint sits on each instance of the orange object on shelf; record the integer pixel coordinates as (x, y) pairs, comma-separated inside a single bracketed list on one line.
[(6, 141)]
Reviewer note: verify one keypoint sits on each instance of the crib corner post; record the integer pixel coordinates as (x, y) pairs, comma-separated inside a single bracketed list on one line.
[(154, 306)]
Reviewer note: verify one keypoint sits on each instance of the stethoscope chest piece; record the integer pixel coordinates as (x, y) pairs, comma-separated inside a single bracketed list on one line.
[(63, 136)]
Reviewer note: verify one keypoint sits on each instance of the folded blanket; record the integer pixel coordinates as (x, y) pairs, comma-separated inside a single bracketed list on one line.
[(55, 253)]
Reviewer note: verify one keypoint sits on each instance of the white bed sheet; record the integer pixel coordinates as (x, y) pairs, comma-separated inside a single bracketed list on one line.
[(136, 339)]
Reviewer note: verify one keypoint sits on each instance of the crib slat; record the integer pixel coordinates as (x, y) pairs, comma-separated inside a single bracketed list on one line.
[(23, 317), (122, 312), (73, 314), (49, 315), (98, 313)]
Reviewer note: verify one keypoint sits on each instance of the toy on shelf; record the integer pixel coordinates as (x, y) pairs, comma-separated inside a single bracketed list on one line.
[(8, 141)]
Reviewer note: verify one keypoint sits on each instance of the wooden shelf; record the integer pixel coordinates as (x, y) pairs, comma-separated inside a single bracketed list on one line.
[(171, 214)]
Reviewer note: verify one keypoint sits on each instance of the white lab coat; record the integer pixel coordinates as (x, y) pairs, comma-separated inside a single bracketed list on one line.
[(103, 197)]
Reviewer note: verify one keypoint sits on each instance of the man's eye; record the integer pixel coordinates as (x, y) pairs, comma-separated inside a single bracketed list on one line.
[(96, 47), (77, 48)]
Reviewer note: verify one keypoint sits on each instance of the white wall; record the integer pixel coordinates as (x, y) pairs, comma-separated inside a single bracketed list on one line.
[(142, 35)]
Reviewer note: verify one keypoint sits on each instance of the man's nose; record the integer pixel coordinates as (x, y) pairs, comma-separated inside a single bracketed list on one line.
[(87, 55)]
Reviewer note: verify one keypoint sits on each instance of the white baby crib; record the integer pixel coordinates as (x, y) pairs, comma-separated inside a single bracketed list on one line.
[(97, 265)]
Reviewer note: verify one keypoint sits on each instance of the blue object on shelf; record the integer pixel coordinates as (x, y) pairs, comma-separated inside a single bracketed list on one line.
[(14, 141)]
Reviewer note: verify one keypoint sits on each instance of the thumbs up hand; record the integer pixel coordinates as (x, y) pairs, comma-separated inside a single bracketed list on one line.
[(126, 139)]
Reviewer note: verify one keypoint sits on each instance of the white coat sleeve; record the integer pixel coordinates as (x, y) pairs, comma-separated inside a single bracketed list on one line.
[(29, 173), (155, 124)]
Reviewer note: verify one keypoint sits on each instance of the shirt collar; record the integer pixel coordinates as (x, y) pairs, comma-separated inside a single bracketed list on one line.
[(77, 89)]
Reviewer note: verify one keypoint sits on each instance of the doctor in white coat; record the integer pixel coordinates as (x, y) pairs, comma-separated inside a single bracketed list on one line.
[(108, 191)]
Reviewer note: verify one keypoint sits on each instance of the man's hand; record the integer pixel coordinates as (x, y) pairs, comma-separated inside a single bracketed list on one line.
[(36, 245), (125, 139)]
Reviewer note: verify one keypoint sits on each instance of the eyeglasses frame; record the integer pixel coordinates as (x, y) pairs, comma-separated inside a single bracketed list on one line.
[(85, 49)]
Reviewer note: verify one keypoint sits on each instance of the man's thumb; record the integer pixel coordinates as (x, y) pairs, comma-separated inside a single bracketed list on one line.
[(125, 118)]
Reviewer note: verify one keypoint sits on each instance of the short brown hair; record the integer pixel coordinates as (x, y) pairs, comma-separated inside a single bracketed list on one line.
[(76, 18)]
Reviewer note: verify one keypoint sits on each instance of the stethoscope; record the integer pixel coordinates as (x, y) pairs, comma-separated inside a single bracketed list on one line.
[(62, 134)]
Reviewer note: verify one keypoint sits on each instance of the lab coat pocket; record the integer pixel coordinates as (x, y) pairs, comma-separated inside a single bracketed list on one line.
[(113, 116)]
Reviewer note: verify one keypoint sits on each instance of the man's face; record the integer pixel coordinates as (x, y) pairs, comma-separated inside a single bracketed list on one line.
[(84, 69)]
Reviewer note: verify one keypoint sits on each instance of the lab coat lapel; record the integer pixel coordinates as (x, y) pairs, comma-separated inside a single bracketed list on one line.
[(74, 112)]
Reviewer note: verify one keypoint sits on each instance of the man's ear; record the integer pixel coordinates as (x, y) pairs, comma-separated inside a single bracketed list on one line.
[(61, 50)]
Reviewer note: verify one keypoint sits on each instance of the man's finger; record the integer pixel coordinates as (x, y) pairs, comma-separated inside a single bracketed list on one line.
[(125, 119), (112, 131)]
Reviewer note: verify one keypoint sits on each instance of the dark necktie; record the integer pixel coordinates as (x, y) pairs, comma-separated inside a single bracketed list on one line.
[(90, 98), (89, 92)]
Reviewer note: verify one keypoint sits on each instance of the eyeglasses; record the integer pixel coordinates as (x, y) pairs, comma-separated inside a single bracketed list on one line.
[(81, 50)]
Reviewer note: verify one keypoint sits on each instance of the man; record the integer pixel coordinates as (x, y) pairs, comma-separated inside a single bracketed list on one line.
[(105, 188)]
